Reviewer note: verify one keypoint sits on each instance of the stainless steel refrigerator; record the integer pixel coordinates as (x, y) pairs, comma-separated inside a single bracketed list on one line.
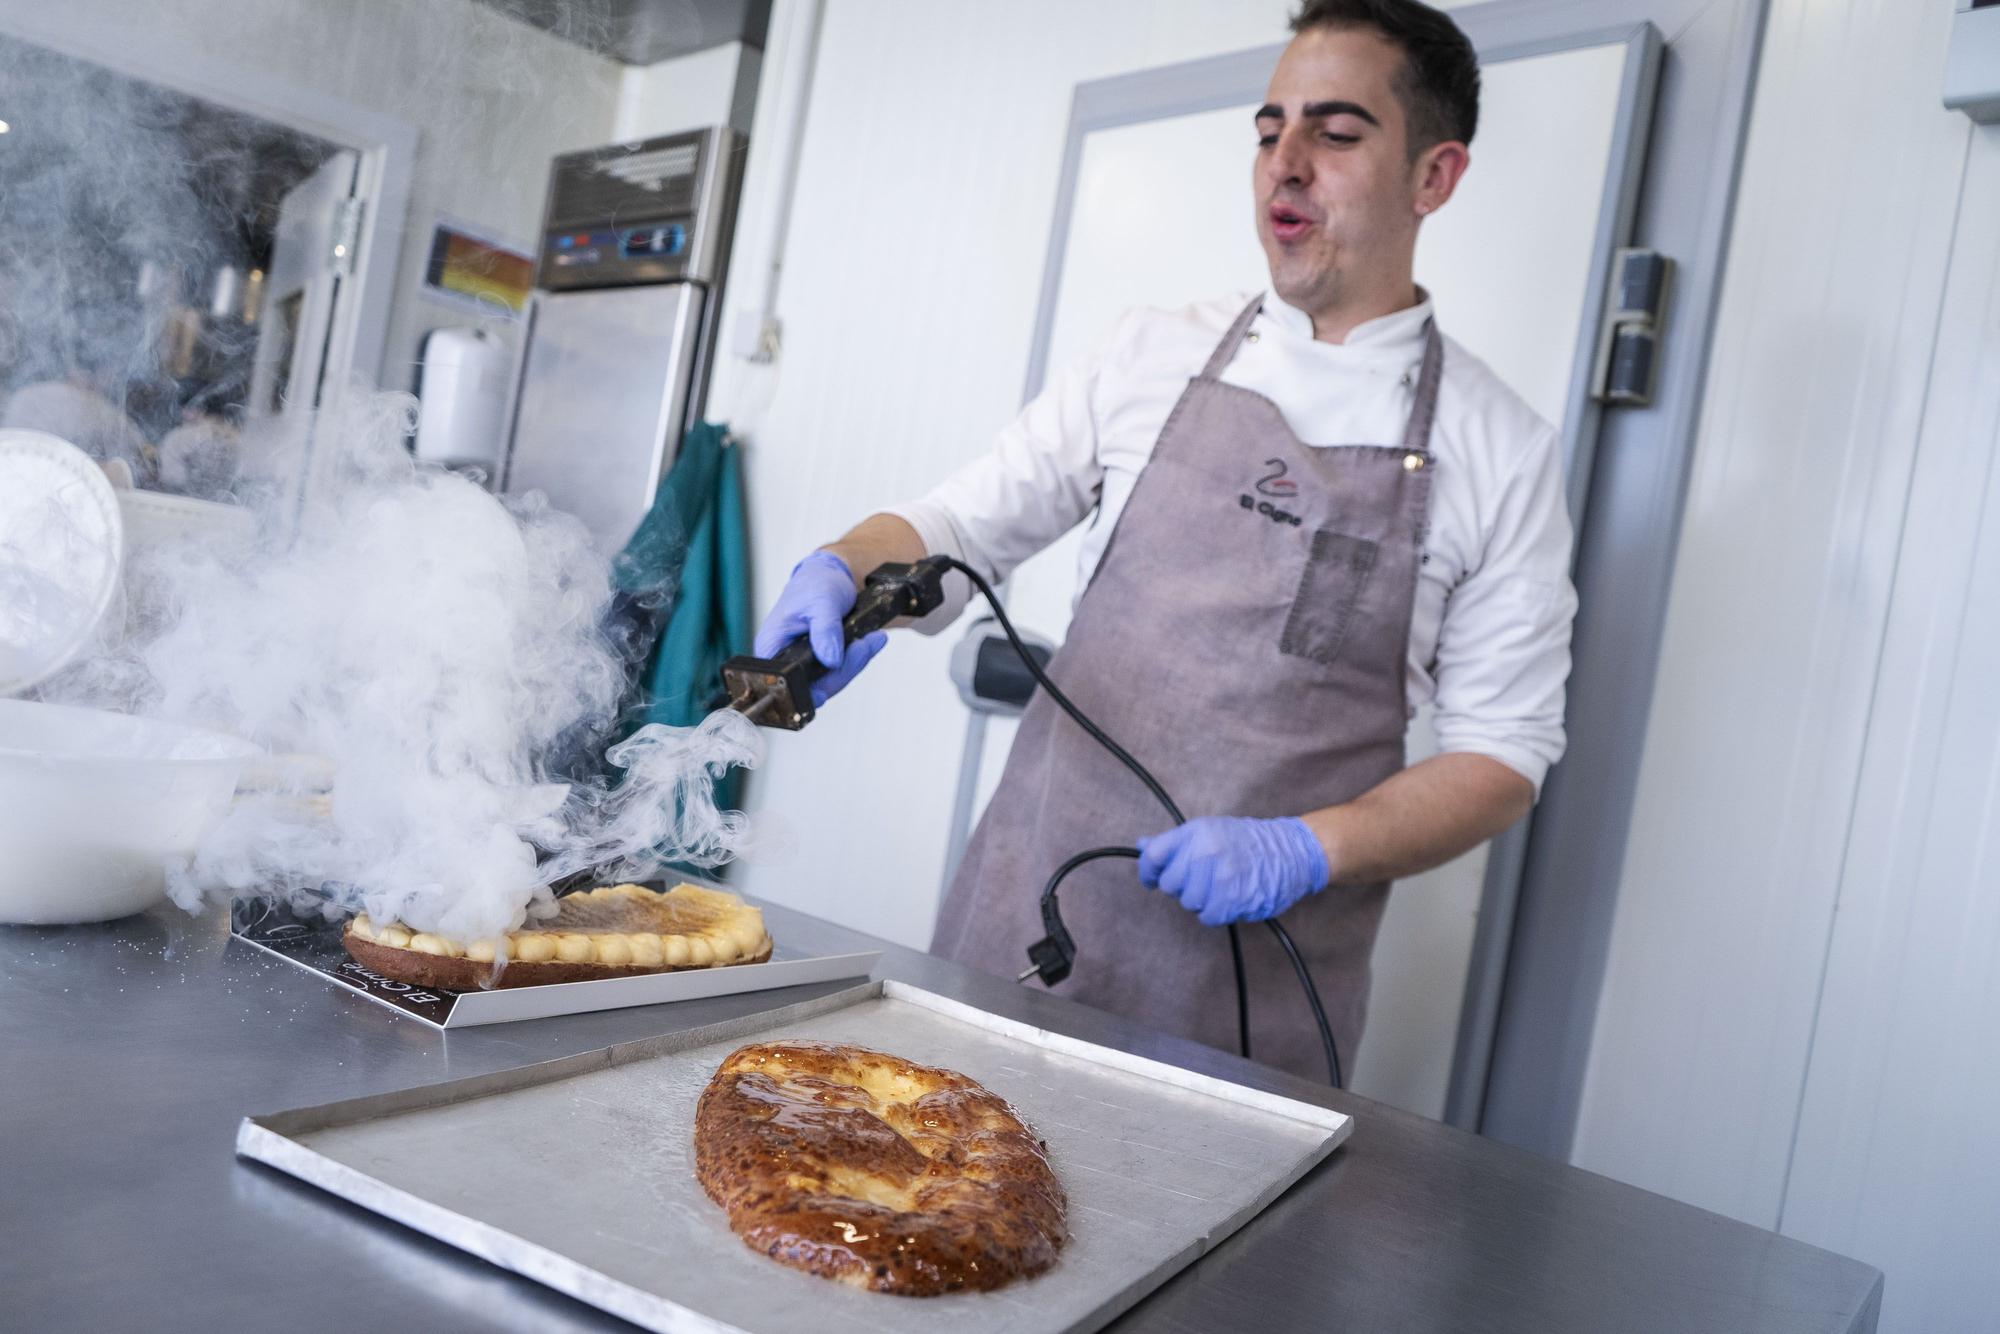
[(621, 327)]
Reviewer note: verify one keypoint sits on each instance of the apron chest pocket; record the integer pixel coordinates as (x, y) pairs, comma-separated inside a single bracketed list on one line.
[(1337, 569)]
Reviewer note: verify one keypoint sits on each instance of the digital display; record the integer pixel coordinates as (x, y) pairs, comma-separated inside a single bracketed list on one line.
[(667, 240)]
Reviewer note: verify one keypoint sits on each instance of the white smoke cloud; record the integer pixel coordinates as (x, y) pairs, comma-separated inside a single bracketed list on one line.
[(418, 653)]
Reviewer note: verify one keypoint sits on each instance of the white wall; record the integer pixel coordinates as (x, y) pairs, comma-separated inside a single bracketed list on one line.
[(926, 187), (1897, 1159), (1797, 1020), (492, 99), (691, 92)]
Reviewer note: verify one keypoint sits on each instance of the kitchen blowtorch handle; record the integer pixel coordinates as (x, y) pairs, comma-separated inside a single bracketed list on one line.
[(776, 691)]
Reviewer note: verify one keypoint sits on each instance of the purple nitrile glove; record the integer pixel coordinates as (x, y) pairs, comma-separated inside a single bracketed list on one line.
[(1234, 869), (816, 597)]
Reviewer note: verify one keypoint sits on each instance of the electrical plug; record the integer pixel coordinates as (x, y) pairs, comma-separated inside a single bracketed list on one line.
[(1053, 955)]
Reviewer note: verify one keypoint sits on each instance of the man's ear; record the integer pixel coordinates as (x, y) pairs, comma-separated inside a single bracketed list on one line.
[(1437, 172)]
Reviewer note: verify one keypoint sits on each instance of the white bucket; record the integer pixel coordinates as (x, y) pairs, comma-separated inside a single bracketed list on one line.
[(93, 805)]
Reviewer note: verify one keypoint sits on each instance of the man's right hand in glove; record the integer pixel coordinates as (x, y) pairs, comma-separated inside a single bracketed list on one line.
[(820, 592)]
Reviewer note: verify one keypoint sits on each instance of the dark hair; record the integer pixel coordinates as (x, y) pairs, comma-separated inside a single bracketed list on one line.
[(1439, 82)]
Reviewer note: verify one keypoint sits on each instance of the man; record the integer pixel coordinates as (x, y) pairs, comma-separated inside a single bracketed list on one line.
[(1261, 615)]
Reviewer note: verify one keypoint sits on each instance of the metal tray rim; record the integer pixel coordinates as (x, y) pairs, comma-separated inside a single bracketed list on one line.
[(345, 1111), (1339, 1124), (494, 1245)]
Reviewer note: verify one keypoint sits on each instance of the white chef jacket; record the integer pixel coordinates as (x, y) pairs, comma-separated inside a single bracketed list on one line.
[(1489, 637)]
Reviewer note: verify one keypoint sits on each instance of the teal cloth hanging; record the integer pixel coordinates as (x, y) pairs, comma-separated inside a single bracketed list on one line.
[(693, 543)]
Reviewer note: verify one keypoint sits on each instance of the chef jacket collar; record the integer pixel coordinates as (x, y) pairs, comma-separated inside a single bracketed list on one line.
[(1384, 333)]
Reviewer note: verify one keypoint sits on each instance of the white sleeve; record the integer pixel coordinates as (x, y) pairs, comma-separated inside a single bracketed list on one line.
[(1503, 650), (1039, 480)]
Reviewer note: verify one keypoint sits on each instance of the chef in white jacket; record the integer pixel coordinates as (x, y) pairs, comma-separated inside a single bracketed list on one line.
[(1308, 512)]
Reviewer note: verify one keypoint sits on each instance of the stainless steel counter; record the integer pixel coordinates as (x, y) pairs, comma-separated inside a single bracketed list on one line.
[(128, 1053)]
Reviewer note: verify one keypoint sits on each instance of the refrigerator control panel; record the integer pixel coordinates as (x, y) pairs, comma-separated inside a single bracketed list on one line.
[(615, 256), (656, 210)]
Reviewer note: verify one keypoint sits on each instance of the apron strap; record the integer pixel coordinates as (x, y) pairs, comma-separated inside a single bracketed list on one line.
[(1417, 435), (1226, 349)]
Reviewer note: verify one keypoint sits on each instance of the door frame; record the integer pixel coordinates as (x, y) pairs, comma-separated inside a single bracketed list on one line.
[(387, 146), (1550, 894)]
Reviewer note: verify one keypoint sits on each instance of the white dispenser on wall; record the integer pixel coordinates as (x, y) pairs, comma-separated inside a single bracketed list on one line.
[(1972, 66), (462, 400)]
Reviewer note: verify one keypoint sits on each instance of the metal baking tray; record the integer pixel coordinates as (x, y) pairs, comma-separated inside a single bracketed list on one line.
[(799, 956), (579, 1172)]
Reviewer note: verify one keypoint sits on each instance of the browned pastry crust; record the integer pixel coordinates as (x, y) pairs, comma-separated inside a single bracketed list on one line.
[(434, 970), (866, 1168), (615, 931)]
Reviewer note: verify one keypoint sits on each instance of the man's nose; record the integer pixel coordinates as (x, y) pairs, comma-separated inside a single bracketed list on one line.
[(1289, 162)]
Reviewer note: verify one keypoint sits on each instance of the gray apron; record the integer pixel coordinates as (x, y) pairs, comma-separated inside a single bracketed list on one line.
[(1244, 636)]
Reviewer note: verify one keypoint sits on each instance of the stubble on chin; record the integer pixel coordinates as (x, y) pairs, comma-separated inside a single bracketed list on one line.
[(1306, 286)]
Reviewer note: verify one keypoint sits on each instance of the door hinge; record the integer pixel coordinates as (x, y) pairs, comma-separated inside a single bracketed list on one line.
[(1635, 301), (346, 235)]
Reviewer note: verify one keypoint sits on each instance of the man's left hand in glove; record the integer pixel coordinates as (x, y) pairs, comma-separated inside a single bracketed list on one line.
[(1235, 869)]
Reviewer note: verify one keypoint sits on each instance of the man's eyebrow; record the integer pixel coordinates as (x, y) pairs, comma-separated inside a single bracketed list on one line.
[(1318, 111)]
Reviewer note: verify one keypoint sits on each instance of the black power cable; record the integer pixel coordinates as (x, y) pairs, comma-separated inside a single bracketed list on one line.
[(1053, 955), (1242, 996)]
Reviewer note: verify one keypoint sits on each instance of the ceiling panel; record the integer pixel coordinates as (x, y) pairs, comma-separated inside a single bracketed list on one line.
[(640, 32)]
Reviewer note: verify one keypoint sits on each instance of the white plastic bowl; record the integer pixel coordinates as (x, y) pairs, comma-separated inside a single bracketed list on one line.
[(94, 804)]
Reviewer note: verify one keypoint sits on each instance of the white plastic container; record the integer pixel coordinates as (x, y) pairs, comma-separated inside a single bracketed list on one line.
[(463, 399), (94, 804)]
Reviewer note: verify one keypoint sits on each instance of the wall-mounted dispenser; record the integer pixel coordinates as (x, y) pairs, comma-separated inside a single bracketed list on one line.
[(1972, 66)]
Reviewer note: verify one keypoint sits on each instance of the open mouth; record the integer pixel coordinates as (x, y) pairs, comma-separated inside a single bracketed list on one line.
[(1287, 223)]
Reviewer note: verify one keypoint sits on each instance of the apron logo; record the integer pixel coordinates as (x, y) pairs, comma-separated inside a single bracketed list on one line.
[(1275, 483), (1268, 510)]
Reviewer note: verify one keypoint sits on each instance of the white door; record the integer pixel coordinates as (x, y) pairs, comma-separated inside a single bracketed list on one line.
[(310, 257), (1162, 216)]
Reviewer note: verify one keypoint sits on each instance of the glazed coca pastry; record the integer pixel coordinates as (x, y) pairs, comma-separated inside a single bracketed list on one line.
[(875, 1171), (615, 931)]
